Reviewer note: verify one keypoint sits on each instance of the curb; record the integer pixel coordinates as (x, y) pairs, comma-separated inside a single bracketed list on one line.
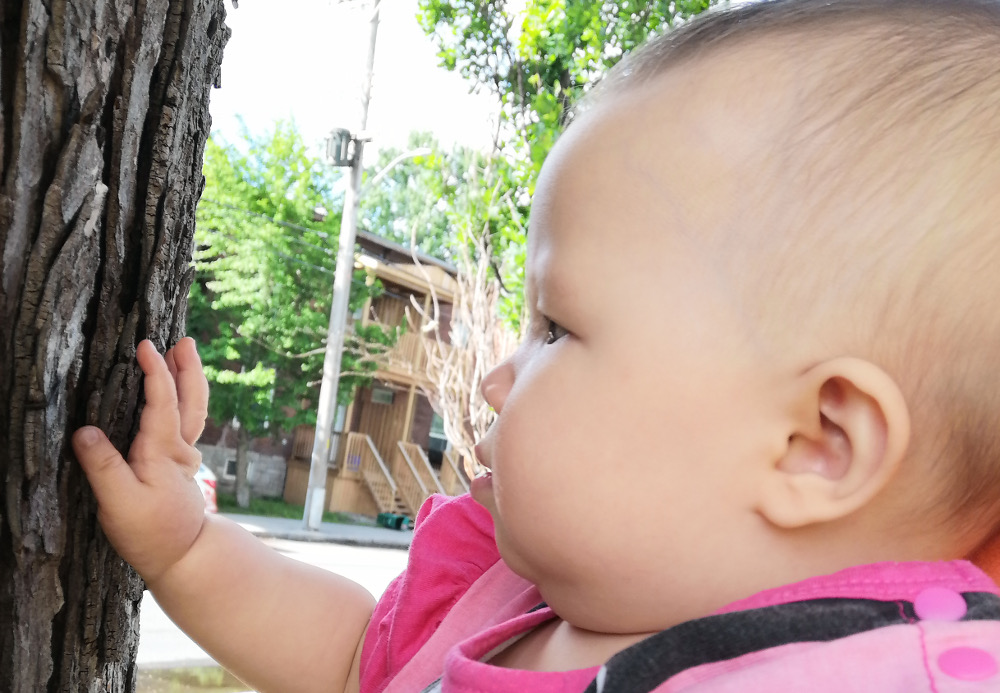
[(321, 538)]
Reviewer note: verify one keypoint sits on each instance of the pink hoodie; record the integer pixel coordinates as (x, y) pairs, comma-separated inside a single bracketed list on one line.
[(458, 601)]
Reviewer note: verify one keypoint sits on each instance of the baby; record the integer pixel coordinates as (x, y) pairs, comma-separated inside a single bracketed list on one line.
[(751, 432)]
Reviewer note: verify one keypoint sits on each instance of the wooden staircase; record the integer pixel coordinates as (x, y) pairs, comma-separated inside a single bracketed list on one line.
[(362, 458), (419, 462), (453, 480), (402, 486)]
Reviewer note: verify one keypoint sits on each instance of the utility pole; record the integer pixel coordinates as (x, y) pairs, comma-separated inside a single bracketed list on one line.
[(322, 450)]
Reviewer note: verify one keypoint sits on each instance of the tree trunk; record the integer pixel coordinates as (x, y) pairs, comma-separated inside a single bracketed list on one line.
[(242, 467), (103, 120)]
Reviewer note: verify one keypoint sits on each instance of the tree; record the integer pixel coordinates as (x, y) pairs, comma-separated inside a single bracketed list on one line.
[(408, 199), (103, 118), (538, 63), (457, 366), (261, 302)]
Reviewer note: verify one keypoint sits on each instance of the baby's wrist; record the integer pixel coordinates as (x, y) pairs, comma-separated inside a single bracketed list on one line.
[(183, 568)]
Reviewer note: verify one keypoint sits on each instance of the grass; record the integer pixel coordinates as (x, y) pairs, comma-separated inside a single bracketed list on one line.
[(190, 680), (275, 507)]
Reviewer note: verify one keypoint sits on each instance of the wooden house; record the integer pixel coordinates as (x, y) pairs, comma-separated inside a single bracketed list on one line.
[(391, 449)]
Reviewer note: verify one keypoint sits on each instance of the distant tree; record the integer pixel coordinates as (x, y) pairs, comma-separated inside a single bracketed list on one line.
[(261, 303), (103, 118), (409, 198), (538, 62)]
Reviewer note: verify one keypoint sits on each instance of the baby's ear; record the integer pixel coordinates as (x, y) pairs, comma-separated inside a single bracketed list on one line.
[(847, 440)]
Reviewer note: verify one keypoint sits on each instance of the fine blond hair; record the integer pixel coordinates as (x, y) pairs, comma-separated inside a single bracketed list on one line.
[(892, 248)]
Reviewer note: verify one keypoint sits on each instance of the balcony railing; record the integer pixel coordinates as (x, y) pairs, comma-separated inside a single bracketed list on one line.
[(408, 356)]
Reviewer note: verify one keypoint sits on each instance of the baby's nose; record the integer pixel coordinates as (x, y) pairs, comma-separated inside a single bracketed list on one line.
[(497, 384)]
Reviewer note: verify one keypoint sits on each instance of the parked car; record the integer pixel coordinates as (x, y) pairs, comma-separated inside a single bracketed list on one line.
[(206, 482)]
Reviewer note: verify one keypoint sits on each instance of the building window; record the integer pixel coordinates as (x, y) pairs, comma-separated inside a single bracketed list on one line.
[(230, 471), (437, 441)]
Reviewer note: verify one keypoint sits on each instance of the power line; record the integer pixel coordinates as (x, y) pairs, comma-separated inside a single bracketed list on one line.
[(354, 281), (273, 250), (286, 224)]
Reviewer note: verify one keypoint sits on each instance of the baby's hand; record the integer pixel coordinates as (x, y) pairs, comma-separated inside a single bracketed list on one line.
[(151, 508)]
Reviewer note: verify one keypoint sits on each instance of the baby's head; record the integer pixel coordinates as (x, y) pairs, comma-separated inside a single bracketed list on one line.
[(762, 342)]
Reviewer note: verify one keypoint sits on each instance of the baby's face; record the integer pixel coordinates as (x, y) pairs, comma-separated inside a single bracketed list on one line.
[(635, 416)]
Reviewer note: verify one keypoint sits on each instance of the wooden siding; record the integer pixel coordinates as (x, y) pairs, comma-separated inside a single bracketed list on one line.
[(384, 423), (444, 322), (407, 419), (297, 482), (388, 310), (420, 429), (352, 496), (302, 442)]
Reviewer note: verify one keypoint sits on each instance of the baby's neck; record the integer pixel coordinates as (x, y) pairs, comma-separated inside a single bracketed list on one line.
[(557, 645)]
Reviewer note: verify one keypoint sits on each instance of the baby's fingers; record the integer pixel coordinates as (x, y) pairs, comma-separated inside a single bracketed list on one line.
[(160, 416), (110, 476), (192, 389)]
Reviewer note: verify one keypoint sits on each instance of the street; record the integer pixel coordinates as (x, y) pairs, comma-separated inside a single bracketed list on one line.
[(162, 644)]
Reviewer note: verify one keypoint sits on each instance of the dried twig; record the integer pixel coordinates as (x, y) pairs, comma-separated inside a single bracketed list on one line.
[(477, 341)]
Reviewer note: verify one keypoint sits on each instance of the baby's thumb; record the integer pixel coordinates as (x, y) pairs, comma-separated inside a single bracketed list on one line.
[(108, 472)]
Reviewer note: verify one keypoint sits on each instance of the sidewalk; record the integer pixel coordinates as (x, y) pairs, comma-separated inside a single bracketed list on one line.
[(330, 532)]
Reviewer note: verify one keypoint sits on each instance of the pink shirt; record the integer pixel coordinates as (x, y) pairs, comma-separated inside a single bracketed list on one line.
[(416, 636), (452, 548)]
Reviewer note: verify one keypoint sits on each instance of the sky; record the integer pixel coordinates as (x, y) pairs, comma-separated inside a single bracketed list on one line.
[(305, 60)]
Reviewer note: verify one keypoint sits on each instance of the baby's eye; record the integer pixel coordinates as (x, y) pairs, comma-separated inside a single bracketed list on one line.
[(555, 332)]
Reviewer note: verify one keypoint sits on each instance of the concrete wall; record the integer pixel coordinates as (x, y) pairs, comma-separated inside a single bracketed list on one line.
[(267, 472)]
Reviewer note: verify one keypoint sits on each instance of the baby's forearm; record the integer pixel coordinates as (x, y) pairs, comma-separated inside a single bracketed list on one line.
[(278, 624)]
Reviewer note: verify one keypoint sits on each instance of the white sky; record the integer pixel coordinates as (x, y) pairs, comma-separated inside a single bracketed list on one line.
[(304, 59)]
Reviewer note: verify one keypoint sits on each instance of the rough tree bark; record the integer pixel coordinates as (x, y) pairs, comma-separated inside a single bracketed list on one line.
[(103, 119)]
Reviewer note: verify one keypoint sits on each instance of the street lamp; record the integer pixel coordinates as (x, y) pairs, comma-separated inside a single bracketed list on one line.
[(343, 149)]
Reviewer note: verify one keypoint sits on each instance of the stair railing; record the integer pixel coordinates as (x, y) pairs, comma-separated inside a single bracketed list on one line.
[(452, 479), (423, 466), (412, 490), (361, 451)]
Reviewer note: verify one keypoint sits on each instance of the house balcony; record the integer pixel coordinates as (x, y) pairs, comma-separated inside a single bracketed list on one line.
[(406, 361)]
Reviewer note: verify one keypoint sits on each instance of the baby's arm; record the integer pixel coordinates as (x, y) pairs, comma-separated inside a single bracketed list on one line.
[(278, 624)]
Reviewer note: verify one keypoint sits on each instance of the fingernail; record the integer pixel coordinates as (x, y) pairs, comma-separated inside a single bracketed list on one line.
[(87, 436)]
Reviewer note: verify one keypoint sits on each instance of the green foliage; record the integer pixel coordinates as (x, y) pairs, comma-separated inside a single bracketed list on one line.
[(188, 680), (275, 507), (446, 200), (538, 64), (409, 199), (260, 304)]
